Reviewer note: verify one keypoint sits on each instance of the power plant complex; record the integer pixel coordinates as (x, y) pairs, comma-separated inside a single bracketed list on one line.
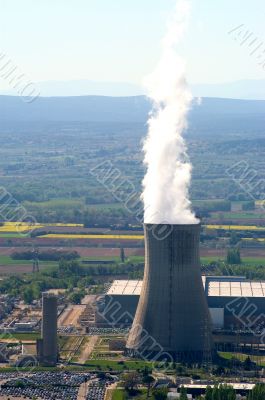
[(172, 307), (174, 313), (177, 311)]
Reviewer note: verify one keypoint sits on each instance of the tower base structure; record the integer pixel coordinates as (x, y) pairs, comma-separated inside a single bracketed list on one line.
[(172, 318)]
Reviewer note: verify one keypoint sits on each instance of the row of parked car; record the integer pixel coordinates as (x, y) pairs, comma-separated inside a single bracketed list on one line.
[(97, 389), (54, 385), (45, 385)]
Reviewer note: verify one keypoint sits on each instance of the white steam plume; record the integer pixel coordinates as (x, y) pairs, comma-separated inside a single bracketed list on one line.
[(167, 180)]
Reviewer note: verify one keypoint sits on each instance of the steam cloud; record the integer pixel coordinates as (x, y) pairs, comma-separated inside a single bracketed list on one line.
[(167, 180)]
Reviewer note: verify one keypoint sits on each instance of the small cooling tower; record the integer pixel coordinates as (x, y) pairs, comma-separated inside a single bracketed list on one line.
[(172, 313), (47, 346)]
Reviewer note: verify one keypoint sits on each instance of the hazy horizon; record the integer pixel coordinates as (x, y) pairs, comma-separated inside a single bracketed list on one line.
[(241, 89), (120, 42)]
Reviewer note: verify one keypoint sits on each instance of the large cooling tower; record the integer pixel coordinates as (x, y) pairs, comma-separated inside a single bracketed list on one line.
[(172, 314)]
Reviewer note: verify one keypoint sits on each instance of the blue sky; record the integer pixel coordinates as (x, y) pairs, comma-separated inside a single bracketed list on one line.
[(118, 40)]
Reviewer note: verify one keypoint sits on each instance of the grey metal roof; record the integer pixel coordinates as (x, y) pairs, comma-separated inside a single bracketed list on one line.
[(236, 289), (216, 287), (125, 287)]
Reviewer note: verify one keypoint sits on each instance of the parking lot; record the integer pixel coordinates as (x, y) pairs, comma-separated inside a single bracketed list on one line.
[(54, 386), (53, 393), (97, 389), (107, 331), (44, 385)]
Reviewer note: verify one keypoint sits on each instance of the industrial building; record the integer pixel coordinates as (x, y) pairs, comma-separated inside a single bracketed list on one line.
[(234, 302), (175, 311), (197, 389), (7, 304), (47, 347), (172, 315)]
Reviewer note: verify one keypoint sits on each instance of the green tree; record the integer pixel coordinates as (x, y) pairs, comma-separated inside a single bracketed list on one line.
[(148, 380), (258, 393), (180, 370), (222, 392), (160, 394), (183, 394), (247, 364), (215, 393), (233, 256), (249, 205), (209, 393), (122, 255), (76, 297), (28, 295), (229, 392), (131, 381), (234, 239)]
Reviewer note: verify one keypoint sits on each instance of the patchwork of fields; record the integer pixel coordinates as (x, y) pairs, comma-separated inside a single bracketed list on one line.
[(103, 244)]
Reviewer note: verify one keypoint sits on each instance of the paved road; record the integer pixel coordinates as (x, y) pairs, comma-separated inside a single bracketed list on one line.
[(89, 299), (109, 391), (70, 315), (83, 390)]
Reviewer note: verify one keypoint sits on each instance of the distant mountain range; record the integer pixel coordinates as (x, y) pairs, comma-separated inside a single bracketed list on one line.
[(244, 89), (83, 88), (212, 116)]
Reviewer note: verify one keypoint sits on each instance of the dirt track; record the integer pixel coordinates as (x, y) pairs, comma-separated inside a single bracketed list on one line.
[(259, 253), (70, 315), (17, 269), (88, 349), (82, 251), (115, 252)]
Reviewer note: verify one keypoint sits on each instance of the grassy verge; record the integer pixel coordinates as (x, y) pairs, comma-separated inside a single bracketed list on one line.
[(260, 360), (20, 336), (119, 394), (10, 235), (237, 215), (254, 261), (107, 365), (7, 260)]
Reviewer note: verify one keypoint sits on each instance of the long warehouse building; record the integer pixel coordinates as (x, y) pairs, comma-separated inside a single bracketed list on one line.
[(234, 303)]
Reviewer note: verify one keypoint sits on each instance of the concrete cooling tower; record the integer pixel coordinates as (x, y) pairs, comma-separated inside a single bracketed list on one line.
[(172, 314), (47, 346)]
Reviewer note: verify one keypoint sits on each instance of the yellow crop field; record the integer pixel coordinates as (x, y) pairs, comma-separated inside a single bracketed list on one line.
[(60, 224), (237, 227), (260, 202), (69, 236), (256, 239), (19, 227), (23, 227)]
